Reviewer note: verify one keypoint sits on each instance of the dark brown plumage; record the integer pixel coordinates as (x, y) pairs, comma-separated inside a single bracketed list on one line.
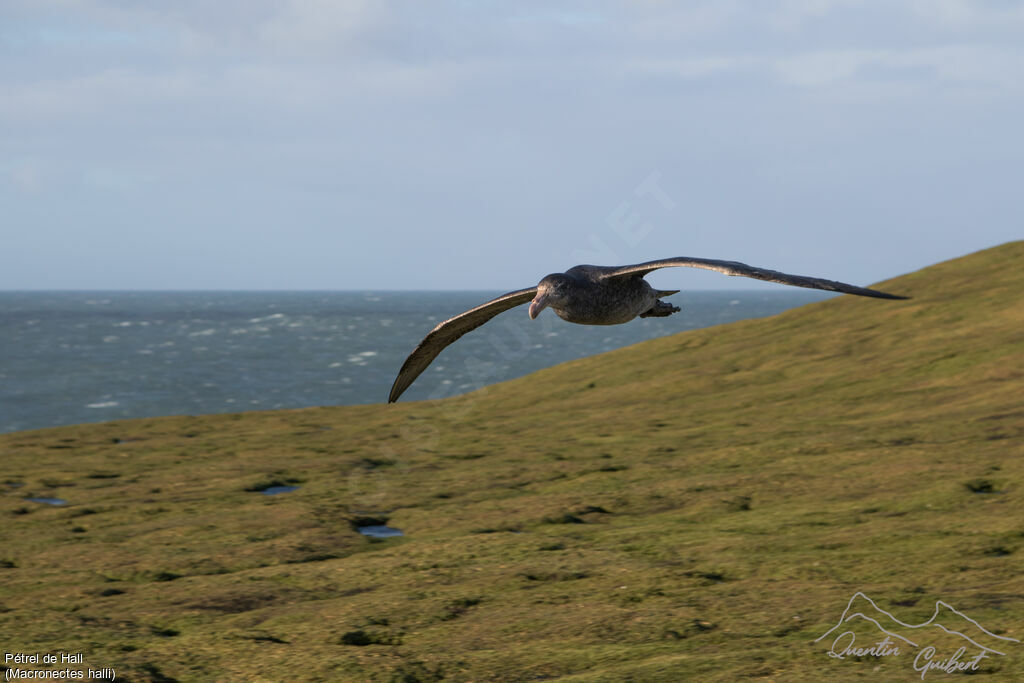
[(596, 295)]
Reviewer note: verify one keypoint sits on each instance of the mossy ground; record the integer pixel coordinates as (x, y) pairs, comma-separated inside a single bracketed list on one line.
[(700, 506)]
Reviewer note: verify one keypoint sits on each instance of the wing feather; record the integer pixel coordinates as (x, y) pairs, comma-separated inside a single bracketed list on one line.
[(449, 331), (742, 269)]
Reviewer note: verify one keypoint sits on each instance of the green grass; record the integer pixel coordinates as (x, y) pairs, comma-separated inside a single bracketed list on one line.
[(700, 506)]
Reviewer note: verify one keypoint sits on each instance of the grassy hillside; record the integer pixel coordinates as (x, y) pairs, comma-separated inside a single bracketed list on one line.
[(698, 506)]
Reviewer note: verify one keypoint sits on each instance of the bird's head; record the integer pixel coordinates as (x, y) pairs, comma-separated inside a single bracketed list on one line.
[(552, 291)]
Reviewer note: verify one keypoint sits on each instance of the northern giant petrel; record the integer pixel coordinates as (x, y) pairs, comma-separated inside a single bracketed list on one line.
[(595, 295)]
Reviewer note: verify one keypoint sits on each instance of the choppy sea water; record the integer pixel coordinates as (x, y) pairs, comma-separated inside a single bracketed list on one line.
[(73, 357)]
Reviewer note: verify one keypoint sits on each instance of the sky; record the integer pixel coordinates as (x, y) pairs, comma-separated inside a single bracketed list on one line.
[(479, 145)]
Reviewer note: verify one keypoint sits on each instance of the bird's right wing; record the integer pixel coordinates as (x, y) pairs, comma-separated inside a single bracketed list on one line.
[(450, 330), (742, 269)]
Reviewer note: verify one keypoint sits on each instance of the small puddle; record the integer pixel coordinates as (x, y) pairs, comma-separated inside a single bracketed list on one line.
[(274, 490), (379, 531), (49, 501)]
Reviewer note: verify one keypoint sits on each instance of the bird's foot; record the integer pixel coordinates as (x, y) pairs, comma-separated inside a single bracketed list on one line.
[(660, 310)]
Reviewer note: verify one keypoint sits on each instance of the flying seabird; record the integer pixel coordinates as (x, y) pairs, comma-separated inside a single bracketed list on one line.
[(596, 295)]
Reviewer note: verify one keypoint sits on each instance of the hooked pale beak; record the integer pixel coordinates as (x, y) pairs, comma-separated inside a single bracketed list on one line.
[(538, 304)]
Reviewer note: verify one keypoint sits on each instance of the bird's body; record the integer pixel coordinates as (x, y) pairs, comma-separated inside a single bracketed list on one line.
[(595, 295), (596, 301)]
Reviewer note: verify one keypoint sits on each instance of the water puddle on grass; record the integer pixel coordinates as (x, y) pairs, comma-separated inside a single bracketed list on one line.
[(274, 490), (49, 501), (374, 526), (379, 531)]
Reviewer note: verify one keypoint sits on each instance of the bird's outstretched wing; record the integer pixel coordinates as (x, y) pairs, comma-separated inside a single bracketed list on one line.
[(736, 268), (450, 330)]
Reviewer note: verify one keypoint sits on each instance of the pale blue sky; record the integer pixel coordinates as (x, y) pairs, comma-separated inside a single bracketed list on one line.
[(286, 144)]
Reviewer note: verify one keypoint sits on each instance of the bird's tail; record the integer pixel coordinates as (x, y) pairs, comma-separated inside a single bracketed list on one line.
[(666, 292)]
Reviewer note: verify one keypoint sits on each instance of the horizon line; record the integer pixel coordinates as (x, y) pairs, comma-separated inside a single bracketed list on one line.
[(61, 290)]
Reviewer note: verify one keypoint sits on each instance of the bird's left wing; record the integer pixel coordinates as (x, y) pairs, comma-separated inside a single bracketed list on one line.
[(736, 268), (450, 330)]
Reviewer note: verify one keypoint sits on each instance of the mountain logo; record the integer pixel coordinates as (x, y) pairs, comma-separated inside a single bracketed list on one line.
[(898, 637)]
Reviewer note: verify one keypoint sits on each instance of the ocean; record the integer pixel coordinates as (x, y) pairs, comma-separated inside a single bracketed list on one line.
[(74, 357)]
